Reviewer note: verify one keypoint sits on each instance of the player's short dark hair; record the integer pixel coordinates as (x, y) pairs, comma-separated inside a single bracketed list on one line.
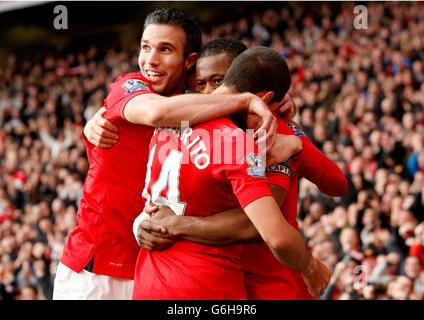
[(176, 17), (232, 47), (259, 69)]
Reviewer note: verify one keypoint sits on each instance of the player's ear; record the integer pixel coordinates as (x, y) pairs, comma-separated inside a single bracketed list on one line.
[(190, 61), (267, 96)]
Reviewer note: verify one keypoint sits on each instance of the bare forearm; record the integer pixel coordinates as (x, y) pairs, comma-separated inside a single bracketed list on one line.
[(197, 108), (224, 228), (229, 227), (158, 111), (285, 242), (294, 254)]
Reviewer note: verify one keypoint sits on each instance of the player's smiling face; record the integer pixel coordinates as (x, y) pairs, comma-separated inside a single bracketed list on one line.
[(162, 60)]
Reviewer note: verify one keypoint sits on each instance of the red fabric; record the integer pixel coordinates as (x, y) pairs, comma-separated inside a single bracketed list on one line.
[(266, 278), (20, 176), (187, 270), (319, 169), (112, 193), (7, 214), (301, 74), (417, 250)]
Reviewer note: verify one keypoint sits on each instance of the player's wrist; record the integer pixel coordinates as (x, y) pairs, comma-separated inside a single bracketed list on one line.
[(248, 101), (312, 266), (179, 228)]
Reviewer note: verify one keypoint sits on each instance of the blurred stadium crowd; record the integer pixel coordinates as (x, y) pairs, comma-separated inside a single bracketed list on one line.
[(360, 98)]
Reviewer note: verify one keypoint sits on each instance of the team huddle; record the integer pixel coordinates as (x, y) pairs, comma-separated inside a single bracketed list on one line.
[(180, 202)]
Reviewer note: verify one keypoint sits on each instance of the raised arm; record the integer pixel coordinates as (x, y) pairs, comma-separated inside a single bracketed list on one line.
[(311, 162), (319, 169)]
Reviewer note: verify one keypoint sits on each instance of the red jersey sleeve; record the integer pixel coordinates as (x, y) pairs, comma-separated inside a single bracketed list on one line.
[(122, 90), (312, 164), (246, 172), (279, 174)]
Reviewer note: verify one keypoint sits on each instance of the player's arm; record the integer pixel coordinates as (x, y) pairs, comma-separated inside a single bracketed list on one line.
[(287, 244), (156, 110), (285, 147), (319, 169), (144, 229), (224, 228)]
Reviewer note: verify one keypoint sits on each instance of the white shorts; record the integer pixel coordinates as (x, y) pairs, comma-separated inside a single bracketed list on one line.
[(69, 285)]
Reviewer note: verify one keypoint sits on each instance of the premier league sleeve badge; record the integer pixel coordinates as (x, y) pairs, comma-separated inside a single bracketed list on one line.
[(132, 85)]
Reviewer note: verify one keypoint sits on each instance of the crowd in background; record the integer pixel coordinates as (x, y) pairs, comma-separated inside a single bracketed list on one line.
[(360, 98)]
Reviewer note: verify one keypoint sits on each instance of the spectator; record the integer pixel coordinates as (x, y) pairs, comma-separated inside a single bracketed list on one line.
[(28, 292), (361, 104), (401, 289), (417, 246)]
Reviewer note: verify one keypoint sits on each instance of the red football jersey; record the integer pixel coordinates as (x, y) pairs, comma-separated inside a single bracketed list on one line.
[(199, 171), (266, 278), (112, 191)]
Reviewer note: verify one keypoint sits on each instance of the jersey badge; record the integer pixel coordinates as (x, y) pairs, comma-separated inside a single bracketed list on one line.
[(296, 130), (257, 168), (132, 85)]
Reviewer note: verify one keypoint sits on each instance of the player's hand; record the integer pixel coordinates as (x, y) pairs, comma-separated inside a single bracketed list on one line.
[(154, 228), (317, 278), (166, 218), (288, 108), (285, 147), (261, 119), (150, 209), (149, 241), (100, 131)]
